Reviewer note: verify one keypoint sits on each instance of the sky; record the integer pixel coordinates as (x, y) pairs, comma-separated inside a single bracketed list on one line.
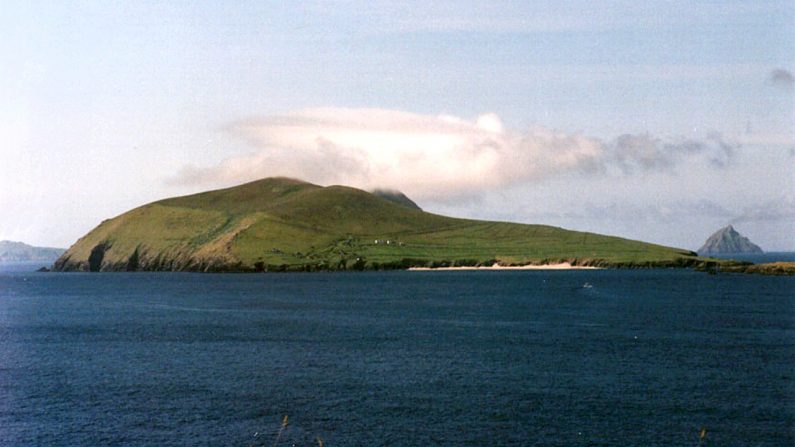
[(659, 121)]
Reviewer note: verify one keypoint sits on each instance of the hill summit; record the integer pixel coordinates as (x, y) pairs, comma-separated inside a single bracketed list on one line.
[(728, 241), (397, 197), (281, 224)]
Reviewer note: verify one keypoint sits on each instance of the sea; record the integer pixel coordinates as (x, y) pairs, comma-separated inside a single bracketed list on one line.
[(455, 358)]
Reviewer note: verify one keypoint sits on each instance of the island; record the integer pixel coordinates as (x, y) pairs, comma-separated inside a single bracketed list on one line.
[(727, 241), (282, 224)]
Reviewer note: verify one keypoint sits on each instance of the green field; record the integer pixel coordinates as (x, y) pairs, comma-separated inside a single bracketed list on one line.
[(279, 224)]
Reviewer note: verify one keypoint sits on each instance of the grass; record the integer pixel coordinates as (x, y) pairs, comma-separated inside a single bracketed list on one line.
[(770, 268), (285, 224)]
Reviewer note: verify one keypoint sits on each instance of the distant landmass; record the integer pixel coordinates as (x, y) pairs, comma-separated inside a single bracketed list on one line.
[(280, 224), (728, 241), (11, 251)]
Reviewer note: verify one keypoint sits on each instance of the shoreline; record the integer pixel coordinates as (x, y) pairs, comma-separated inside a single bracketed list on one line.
[(560, 266)]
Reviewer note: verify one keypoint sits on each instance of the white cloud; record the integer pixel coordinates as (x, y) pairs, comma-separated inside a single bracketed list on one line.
[(432, 157)]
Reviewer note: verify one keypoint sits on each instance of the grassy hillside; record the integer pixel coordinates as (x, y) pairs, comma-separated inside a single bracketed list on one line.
[(284, 224)]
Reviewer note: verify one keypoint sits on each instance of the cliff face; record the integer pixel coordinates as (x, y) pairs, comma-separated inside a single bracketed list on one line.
[(728, 241), (279, 224)]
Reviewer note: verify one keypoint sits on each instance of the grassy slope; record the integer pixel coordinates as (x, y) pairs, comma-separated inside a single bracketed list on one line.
[(770, 268), (287, 224)]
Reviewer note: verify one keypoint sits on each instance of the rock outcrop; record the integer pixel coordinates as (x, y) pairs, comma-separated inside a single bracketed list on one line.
[(728, 241)]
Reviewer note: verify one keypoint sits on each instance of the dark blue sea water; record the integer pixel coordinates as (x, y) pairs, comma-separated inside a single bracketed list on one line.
[(645, 357)]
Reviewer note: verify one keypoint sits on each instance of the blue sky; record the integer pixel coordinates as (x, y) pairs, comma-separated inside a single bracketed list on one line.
[(653, 120)]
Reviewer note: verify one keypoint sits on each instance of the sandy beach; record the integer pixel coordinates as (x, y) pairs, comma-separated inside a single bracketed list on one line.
[(561, 266)]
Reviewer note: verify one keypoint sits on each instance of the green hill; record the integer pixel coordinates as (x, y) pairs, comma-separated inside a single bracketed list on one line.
[(279, 224)]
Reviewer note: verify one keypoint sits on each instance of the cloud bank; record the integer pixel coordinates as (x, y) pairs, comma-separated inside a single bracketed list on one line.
[(435, 156), (781, 209)]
